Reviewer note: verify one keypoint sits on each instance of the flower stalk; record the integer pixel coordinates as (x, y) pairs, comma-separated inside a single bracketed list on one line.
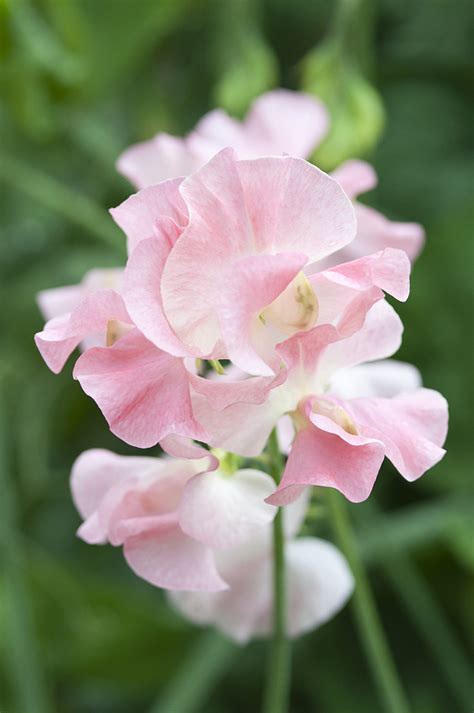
[(368, 622), (278, 681)]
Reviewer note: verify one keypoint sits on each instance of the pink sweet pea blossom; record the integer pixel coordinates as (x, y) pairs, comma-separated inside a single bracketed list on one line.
[(318, 584), (142, 391), (280, 121), (342, 433), (229, 283), (219, 271), (171, 516)]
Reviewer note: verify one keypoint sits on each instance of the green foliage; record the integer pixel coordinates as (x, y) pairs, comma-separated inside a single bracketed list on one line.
[(79, 81)]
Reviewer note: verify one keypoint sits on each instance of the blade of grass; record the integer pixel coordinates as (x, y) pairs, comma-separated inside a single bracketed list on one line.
[(367, 618), (25, 670), (206, 663), (413, 526), (415, 594), (433, 626), (67, 202)]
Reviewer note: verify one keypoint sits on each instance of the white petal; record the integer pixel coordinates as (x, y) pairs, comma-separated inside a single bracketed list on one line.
[(224, 511)]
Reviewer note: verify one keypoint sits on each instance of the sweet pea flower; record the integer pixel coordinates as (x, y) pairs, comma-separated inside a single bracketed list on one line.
[(345, 424), (230, 282), (318, 584), (280, 121), (143, 391), (171, 516)]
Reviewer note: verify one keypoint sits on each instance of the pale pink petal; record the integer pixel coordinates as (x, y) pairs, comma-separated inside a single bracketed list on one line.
[(59, 300), (355, 177), (294, 206), (142, 391), (412, 426), (255, 282), (242, 427), (142, 294), (330, 458), (294, 513), (379, 338), (183, 447), (306, 349), (97, 470), (384, 378), (285, 433), (224, 510), (143, 214), (198, 264), (62, 335), (235, 612), (241, 208), (282, 121), (388, 269), (319, 583), (103, 278), (173, 561), (222, 392), (157, 159), (376, 232), (214, 132)]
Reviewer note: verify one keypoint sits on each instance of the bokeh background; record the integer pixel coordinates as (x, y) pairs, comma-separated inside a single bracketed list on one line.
[(80, 80)]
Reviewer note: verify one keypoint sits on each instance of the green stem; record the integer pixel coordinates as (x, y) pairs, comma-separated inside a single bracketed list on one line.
[(277, 688), (367, 619)]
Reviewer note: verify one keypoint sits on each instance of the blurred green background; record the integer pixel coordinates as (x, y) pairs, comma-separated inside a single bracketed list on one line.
[(80, 80)]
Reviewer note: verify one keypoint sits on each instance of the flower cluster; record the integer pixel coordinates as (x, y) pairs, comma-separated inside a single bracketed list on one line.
[(244, 257)]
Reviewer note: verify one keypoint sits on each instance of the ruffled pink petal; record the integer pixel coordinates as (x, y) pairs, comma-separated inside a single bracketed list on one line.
[(228, 428), (142, 294), (223, 511), (412, 426), (142, 391), (255, 282), (173, 561), (330, 458), (198, 264), (375, 232), (384, 378), (378, 338), (183, 447), (222, 392), (282, 121), (294, 206), (157, 159), (387, 269), (241, 208), (156, 207), (97, 470), (355, 177), (305, 349), (62, 335)]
